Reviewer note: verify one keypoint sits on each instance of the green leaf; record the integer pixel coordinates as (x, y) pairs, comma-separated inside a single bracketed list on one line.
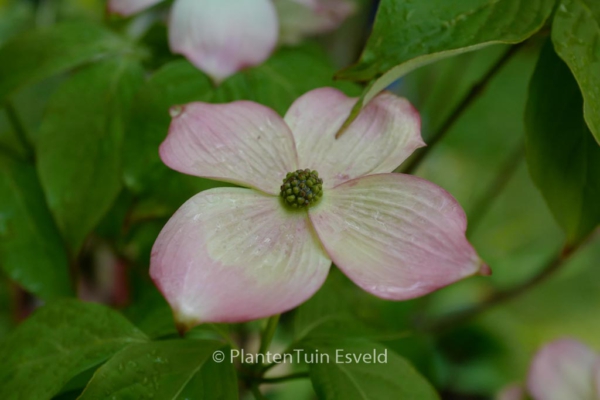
[(340, 309), (148, 309), (174, 369), (329, 313), (276, 84), (15, 16), (410, 34), (7, 298), (287, 75), (176, 83), (31, 251), (383, 375), (58, 342), (576, 38), (79, 147), (563, 158), (41, 53)]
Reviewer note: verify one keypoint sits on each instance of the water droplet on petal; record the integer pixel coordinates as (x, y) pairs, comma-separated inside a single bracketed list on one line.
[(175, 111)]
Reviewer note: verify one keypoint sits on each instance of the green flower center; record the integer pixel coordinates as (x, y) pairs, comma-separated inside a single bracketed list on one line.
[(301, 188)]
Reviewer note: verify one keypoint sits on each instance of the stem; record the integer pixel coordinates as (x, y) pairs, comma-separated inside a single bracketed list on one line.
[(500, 181), (279, 379), (501, 296), (273, 364), (225, 335), (256, 392), (412, 164), (354, 112), (19, 129), (268, 333)]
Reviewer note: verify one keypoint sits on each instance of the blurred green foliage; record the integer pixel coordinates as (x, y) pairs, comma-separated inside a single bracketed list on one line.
[(61, 107)]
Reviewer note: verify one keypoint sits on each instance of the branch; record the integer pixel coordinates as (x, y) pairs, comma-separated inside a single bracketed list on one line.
[(500, 181), (500, 296), (411, 165)]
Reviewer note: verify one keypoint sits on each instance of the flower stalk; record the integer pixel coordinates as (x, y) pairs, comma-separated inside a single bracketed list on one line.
[(268, 333)]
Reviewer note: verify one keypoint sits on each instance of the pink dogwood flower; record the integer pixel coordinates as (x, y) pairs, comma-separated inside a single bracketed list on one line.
[(222, 37), (238, 254), (565, 369)]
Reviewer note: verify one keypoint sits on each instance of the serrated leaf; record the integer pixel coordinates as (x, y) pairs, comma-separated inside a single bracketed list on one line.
[(576, 38), (563, 158), (409, 34), (41, 53), (174, 369), (58, 342), (79, 146), (363, 370), (31, 251)]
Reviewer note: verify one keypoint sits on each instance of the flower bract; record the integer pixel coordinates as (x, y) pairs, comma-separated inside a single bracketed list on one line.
[(237, 254)]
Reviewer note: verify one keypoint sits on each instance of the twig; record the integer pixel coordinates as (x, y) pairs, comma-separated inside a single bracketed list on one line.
[(411, 165), (501, 296), (500, 181)]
